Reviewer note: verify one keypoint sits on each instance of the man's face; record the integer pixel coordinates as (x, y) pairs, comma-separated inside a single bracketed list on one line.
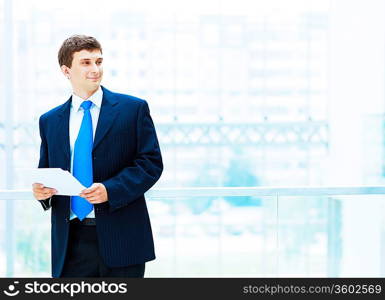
[(86, 71)]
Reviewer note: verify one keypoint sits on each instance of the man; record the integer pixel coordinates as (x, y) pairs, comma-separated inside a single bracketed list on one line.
[(108, 142)]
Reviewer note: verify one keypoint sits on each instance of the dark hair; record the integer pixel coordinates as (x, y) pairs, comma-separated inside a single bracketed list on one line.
[(74, 44)]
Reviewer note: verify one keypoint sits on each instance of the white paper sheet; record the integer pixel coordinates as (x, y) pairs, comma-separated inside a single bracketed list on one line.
[(56, 178)]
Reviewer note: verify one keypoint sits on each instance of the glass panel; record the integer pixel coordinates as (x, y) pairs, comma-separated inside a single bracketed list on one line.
[(214, 236), (29, 232), (334, 236)]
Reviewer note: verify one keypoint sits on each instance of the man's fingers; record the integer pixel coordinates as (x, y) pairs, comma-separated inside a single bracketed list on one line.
[(37, 186), (91, 189), (86, 196), (94, 200), (92, 196), (42, 196), (48, 191), (95, 193), (44, 193)]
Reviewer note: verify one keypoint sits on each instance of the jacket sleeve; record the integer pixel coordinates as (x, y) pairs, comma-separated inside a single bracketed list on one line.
[(43, 162), (133, 181)]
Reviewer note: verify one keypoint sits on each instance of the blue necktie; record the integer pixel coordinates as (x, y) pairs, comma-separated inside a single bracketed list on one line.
[(82, 164)]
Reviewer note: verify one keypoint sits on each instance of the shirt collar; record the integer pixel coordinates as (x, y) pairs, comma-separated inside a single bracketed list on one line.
[(96, 99)]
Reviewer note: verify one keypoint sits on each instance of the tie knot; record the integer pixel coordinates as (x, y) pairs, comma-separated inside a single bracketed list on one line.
[(86, 104)]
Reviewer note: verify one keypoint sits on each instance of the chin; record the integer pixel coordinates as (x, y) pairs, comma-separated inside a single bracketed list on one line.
[(95, 85)]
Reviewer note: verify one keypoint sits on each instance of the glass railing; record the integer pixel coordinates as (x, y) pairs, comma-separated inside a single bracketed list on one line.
[(229, 232)]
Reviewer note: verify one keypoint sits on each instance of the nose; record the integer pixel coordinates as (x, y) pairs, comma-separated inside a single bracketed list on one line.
[(94, 68)]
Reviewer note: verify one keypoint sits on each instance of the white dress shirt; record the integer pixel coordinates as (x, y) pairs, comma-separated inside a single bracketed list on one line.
[(76, 118)]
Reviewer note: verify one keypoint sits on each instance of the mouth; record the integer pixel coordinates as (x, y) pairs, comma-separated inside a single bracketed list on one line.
[(94, 79)]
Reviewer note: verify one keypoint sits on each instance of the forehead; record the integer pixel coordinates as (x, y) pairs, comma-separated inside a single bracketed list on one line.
[(87, 54)]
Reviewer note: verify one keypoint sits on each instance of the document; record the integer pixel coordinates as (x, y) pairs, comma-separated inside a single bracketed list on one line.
[(58, 179)]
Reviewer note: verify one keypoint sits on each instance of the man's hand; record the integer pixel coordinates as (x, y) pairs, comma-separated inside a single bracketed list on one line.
[(95, 194), (41, 193)]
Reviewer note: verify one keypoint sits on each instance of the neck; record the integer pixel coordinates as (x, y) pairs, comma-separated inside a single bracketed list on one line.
[(83, 93)]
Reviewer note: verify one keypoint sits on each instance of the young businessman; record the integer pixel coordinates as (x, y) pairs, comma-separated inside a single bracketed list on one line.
[(108, 142)]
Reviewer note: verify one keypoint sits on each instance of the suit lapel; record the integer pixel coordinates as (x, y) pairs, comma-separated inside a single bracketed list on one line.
[(63, 131), (108, 113)]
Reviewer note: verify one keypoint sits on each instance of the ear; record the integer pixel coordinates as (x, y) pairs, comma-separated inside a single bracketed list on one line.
[(65, 71)]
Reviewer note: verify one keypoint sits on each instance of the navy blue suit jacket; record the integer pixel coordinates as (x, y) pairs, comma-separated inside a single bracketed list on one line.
[(126, 159)]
